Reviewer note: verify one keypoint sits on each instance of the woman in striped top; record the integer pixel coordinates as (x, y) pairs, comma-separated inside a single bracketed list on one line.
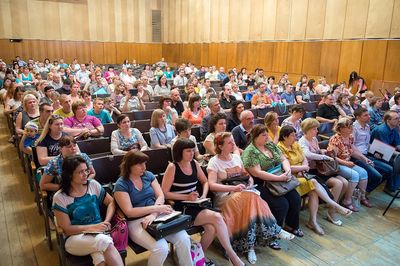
[(180, 184)]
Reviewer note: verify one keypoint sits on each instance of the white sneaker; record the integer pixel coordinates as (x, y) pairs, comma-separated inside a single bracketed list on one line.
[(285, 235), (251, 256)]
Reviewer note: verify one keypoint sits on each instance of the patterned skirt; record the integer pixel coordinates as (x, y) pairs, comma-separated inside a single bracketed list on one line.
[(249, 220)]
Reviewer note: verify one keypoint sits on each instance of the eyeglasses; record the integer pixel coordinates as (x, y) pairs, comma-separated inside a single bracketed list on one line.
[(84, 172)]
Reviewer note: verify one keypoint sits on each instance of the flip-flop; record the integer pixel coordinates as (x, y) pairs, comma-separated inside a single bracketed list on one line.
[(316, 228), (366, 203), (335, 222), (275, 245), (350, 207)]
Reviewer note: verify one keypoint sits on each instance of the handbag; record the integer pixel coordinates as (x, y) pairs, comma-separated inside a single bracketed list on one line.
[(159, 230), (236, 180), (197, 254), (119, 232), (328, 167), (280, 188)]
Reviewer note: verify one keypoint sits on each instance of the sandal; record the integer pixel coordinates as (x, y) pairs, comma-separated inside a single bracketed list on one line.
[(285, 235), (366, 203), (350, 207), (316, 228), (332, 220), (275, 245), (344, 211), (297, 232)]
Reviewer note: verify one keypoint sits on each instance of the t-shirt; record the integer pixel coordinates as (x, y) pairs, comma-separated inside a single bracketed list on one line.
[(29, 142), (225, 170), (61, 113), (53, 149), (139, 198), (54, 166), (104, 116), (89, 122), (328, 112), (81, 210), (305, 97), (290, 98)]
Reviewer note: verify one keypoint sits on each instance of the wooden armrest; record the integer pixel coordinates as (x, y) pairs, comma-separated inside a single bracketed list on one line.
[(59, 230), (43, 194), (324, 137)]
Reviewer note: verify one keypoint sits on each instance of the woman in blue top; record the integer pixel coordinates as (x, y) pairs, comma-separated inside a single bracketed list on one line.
[(180, 184), (139, 195), (161, 133), (77, 209)]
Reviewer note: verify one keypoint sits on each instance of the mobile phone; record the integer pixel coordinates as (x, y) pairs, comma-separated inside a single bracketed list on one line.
[(133, 92)]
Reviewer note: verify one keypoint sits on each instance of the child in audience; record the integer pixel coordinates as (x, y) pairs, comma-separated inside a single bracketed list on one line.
[(29, 137)]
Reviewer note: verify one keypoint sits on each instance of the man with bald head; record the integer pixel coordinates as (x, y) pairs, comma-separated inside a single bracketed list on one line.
[(241, 133), (177, 103)]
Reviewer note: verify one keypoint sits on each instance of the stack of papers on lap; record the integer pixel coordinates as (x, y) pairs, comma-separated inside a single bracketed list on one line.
[(166, 217), (196, 201), (383, 149)]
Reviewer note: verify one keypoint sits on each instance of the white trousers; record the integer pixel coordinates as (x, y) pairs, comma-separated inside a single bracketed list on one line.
[(82, 245), (159, 249)]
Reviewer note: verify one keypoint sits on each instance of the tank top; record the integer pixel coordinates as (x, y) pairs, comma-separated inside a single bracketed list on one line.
[(26, 118), (26, 78), (184, 184)]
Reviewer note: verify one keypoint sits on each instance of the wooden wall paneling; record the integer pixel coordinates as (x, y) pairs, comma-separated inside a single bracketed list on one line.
[(295, 57), (266, 53), (69, 51), (144, 53), (132, 52), (315, 19), (156, 52), (231, 55), (330, 57), (298, 20), (122, 52), (252, 51), (256, 18), (213, 54), (311, 58), (350, 59), (395, 27), (373, 60), (392, 65), (222, 55), (6, 51), (379, 18), (283, 10), (39, 49), (83, 51), (54, 50), (334, 19), (205, 54), (242, 55), (110, 55), (269, 21), (22, 49), (356, 19), (176, 53), (280, 57), (97, 52)]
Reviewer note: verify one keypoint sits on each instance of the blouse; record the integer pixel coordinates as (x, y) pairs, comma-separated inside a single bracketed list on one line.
[(253, 156), (296, 126), (119, 143), (295, 155), (161, 137), (312, 151), (343, 149), (194, 119)]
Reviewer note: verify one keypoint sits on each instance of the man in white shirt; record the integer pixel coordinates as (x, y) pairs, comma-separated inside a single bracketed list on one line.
[(82, 75), (146, 85), (180, 80), (128, 78)]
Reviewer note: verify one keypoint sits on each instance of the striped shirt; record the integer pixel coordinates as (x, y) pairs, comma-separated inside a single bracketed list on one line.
[(184, 184)]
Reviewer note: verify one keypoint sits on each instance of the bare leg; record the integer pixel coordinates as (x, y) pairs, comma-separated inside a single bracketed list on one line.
[(363, 186), (209, 219), (349, 193), (112, 257), (313, 203), (336, 187)]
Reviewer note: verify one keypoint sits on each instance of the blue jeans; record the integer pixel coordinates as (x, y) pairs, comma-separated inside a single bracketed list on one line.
[(376, 175), (354, 174), (393, 183)]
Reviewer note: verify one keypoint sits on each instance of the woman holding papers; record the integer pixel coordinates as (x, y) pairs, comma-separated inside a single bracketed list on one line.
[(249, 219), (180, 185), (139, 195)]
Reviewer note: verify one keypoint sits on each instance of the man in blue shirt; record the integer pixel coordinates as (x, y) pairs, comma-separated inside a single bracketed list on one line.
[(99, 112), (388, 133), (288, 96)]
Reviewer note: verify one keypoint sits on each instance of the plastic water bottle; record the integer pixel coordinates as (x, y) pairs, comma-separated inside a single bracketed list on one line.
[(356, 198)]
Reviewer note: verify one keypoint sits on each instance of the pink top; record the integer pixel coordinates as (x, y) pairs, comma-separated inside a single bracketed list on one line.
[(89, 122)]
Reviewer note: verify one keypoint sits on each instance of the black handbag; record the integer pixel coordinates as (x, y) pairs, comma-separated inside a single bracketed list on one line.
[(236, 180), (159, 230)]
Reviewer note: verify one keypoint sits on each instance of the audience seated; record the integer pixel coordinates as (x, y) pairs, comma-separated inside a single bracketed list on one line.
[(180, 80), (81, 124), (271, 122), (288, 96), (162, 88), (217, 125), (396, 105), (303, 95), (177, 103), (343, 106), (99, 112), (161, 133), (180, 184), (79, 193), (130, 102), (215, 108), (140, 196), (342, 144), (375, 113), (195, 113), (245, 213), (241, 133), (126, 138), (299, 167), (327, 111), (171, 113), (227, 98), (30, 112)]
